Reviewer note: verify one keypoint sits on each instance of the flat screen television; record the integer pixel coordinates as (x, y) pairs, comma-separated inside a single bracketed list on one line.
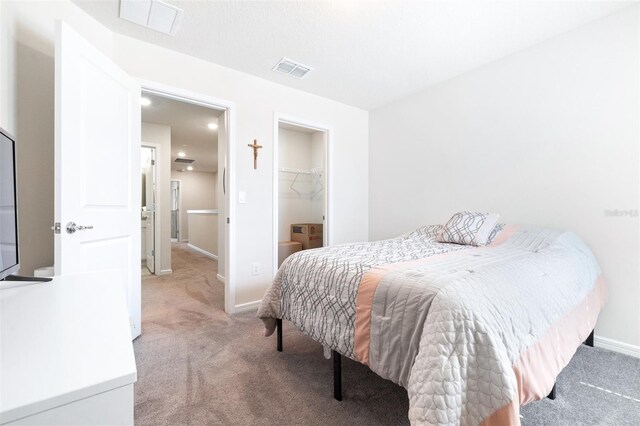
[(9, 260)]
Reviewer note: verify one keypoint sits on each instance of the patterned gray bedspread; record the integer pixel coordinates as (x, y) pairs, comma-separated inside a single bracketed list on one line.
[(317, 289)]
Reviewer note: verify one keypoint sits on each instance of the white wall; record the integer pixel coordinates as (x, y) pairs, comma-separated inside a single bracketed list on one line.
[(547, 136), (198, 192), (161, 135), (204, 232), (256, 102), (298, 150)]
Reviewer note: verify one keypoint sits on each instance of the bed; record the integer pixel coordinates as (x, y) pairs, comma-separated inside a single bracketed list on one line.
[(472, 332)]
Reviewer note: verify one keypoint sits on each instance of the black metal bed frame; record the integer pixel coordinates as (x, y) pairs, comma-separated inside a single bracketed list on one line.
[(337, 364)]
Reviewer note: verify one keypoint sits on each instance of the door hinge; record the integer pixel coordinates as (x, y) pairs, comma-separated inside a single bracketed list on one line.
[(153, 253), (153, 162), (56, 228), (228, 221)]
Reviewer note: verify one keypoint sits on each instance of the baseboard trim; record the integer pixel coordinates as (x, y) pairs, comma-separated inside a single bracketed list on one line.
[(617, 346), (246, 307), (220, 278), (165, 272), (201, 251)]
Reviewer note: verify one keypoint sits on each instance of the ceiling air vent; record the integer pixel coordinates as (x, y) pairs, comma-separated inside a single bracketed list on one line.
[(154, 14), (292, 68), (183, 160)]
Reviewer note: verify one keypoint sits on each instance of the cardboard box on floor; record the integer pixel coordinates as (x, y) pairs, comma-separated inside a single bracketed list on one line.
[(286, 249), (309, 234)]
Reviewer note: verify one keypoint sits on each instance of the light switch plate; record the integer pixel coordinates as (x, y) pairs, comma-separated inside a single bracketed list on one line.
[(242, 197)]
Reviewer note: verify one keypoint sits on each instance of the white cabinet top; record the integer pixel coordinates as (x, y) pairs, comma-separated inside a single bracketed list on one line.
[(62, 341)]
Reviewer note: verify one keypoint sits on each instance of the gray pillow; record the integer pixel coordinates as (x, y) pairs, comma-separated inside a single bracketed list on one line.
[(469, 228)]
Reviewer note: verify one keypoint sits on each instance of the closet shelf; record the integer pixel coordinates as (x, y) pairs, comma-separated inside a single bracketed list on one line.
[(317, 183), (314, 171)]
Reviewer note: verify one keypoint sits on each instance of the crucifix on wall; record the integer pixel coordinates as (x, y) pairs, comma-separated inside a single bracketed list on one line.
[(255, 147)]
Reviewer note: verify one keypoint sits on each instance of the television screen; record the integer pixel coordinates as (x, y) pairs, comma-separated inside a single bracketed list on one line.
[(8, 214)]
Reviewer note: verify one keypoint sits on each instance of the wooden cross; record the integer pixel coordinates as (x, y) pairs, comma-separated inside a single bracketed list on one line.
[(255, 147)]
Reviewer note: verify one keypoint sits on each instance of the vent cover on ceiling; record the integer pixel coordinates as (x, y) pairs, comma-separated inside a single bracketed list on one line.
[(154, 14), (292, 68), (184, 160)]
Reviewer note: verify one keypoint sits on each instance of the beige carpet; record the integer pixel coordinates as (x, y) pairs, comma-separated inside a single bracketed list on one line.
[(198, 366)]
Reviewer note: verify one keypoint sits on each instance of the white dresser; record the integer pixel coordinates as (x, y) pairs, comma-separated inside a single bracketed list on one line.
[(66, 355)]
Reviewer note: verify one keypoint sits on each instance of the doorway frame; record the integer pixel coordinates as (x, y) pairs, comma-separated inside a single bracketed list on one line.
[(156, 232), (180, 239), (313, 125), (196, 98)]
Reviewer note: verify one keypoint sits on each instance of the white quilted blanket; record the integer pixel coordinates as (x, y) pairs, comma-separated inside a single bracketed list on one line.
[(482, 322)]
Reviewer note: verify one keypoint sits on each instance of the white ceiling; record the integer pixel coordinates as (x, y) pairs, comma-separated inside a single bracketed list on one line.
[(189, 131), (365, 53)]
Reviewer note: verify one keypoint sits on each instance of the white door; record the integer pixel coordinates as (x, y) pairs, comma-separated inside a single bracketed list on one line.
[(150, 196), (97, 166)]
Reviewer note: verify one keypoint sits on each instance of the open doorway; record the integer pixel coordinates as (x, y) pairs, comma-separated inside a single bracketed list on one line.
[(301, 187), (186, 137)]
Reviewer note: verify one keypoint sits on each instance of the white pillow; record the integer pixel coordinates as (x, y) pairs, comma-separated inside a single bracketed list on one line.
[(469, 228)]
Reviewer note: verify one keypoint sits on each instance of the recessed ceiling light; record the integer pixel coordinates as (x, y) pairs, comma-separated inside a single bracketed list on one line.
[(190, 168), (212, 126), (182, 154), (145, 101)]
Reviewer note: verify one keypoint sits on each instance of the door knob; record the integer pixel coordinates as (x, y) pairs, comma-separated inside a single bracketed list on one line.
[(72, 227)]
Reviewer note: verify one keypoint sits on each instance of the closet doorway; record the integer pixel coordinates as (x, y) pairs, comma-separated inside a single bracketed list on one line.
[(301, 187)]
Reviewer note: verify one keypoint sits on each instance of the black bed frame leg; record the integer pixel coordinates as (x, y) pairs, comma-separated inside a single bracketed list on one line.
[(552, 394), (279, 333), (589, 341), (337, 375)]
